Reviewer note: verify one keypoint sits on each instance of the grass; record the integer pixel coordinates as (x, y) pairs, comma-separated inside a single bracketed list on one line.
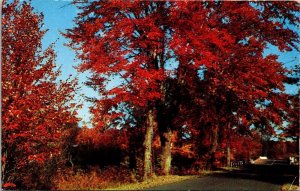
[(95, 179), (231, 168), (111, 179), (220, 171), (152, 182), (290, 187)]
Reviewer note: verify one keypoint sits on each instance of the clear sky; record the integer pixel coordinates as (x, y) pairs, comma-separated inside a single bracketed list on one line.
[(59, 15)]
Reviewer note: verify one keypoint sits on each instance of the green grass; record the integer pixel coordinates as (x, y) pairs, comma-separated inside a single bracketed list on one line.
[(152, 182)]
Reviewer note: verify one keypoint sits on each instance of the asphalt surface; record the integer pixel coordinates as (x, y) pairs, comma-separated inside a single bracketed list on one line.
[(232, 181)]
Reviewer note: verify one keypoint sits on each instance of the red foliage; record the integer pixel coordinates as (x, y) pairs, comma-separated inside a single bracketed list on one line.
[(225, 41), (35, 106), (9, 185), (109, 138), (95, 179), (293, 128)]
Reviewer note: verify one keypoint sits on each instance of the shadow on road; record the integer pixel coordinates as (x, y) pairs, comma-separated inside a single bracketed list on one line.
[(275, 174), (249, 178)]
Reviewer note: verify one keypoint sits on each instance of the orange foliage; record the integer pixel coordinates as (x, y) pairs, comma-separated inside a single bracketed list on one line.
[(9, 185), (98, 139), (94, 179)]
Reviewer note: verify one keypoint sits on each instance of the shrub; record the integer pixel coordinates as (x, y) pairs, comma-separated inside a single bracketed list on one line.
[(91, 179)]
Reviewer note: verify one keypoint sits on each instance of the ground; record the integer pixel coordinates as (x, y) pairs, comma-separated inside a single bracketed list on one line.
[(152, 182), (260, 178), (222, 181)]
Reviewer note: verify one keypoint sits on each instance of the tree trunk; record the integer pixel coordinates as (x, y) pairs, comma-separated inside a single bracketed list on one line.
[(151, 123), (228, 145), (214, 145), (228, 156), (3, 167), (166, 156)]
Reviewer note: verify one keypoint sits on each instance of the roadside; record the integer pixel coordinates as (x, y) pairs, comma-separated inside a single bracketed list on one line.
[(164, 180), (153, 182), (290, 187), (222, 179), (218, 182)]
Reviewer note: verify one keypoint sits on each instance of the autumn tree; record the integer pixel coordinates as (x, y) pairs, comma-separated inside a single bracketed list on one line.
[(292, 129), (210, 55), (136, 42), (127, 40), (240, 85), (36, 106)]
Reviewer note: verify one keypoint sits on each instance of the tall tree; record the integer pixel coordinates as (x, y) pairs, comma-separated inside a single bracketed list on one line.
[(136, 41), (127, 40), (240, 84), (35, 106)]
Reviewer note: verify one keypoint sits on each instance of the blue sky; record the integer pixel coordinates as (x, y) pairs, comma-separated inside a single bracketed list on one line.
[(59, 15)]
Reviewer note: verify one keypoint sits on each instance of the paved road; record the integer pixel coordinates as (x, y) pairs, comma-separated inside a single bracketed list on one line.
[(219, 183), (232, 181)]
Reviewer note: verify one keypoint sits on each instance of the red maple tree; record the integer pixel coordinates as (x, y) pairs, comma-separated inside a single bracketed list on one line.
[(136, 41), (36, 106), (240, 86)]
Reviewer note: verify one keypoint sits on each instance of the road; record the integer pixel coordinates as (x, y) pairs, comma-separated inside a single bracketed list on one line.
[(234, 180)]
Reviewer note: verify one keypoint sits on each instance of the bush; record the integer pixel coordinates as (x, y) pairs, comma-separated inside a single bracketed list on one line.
[(91, 179)]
